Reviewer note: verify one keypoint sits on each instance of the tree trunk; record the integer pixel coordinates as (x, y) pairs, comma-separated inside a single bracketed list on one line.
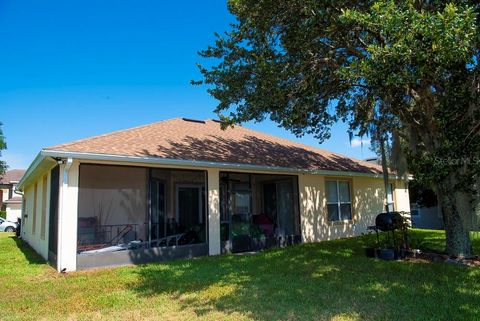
[(476, 207), (385, 173), (457, 209)]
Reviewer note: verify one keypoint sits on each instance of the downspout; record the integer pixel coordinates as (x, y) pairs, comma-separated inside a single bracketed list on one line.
[(22, 212), (66, 171)]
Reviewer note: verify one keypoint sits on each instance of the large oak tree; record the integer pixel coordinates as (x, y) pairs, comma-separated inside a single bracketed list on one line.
[(404, 68), (3, 145)]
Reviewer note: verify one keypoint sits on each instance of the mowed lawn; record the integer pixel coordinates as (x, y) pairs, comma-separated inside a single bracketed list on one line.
[(324, 281)]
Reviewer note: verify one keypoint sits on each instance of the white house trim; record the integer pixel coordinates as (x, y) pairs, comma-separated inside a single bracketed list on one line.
[(214, 211), (68, 216)]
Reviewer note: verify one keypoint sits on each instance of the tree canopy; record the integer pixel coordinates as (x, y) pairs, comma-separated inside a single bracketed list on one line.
[(3, 146), (406, 69)]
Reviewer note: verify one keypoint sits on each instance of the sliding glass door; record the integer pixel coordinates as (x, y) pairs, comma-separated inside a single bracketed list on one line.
[(178, 215)]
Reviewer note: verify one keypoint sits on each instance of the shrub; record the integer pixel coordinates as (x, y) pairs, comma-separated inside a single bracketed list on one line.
[(3, 214)]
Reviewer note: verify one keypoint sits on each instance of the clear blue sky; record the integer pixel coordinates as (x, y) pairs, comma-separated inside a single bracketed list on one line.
[(74, 69)]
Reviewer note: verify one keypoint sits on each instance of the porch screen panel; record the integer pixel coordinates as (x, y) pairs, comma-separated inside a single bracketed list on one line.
[(189, 206), (179, 214), (53, 215), (112, 207), (285, 212)]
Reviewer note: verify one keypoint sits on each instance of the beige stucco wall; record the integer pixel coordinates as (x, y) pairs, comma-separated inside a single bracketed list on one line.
[(35, 239), (367, 202), (401, 197), (213, 195)]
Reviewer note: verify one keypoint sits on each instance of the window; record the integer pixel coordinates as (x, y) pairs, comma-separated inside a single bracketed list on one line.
[(242, 203), (339, 204), (390, 202)]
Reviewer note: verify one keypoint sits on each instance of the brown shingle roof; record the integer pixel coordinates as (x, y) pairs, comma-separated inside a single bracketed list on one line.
[(205, 141), (14, 175)]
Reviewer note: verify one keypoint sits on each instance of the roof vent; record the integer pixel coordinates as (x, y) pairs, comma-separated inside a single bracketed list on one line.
[(194, 120)]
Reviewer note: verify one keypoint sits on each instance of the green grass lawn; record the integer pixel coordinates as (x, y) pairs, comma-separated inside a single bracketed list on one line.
[(324, 281)]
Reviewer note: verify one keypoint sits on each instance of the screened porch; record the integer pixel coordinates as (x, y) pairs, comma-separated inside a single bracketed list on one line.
[(124, 208), (258, 211)]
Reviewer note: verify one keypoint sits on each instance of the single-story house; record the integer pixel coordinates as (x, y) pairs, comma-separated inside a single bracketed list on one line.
[(185, 188), (10, 202)]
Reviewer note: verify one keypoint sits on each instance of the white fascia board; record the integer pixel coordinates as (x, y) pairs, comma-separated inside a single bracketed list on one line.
[(33, 166), (179, 162), (200, 164)]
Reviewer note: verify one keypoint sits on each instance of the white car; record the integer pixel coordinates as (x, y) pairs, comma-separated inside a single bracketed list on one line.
[(6, 226)]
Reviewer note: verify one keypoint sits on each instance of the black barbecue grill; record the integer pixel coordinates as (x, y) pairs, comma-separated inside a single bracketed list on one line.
[(389, 222)]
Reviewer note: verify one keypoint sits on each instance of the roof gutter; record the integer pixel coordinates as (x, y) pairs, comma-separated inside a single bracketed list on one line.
[(202, 164), (38, 159), (16, 191)]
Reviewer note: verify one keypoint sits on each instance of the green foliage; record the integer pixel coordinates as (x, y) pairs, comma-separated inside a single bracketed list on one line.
[(406, 69), (3, 214), (3, 146), (423, 65), (424, 197), (389, 64), (411, 44)]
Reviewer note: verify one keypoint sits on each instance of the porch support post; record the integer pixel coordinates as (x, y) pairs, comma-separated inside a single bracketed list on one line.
[(68, 216), (214, 212)]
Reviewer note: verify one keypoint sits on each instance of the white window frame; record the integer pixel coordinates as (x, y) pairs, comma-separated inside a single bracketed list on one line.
[(338, 202)]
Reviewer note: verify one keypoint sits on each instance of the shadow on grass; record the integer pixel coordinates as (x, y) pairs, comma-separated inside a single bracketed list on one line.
[(434, 240), (316, 282), (29, 253)]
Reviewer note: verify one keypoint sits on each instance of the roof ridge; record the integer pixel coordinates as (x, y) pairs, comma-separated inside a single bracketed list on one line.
[(109, 134)]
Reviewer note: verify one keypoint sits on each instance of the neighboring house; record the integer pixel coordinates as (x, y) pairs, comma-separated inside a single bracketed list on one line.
[(425, 211), (427, 217), (184, 188), (9, 201)]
